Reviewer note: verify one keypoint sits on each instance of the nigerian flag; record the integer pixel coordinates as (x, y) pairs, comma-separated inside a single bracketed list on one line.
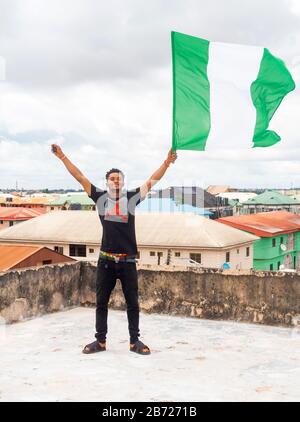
[(223, 90)]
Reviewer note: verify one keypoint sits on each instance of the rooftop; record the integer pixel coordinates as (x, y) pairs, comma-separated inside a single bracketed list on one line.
[(82, 199), (154, 228), (240, 196), (270, 197), (216, 189), (265, 224), (191, 360), (19, 213), (11, 255)]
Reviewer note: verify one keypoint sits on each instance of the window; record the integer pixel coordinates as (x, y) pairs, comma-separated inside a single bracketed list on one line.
[(281, 240), (227, 257), (11, 223), (52, 208), (278, 265), (159, 253), (196, 257), (237, 251), (91, 250), (77, 250), (47, 261), (152, 253), (1, 221), (273, 242), (177, 254), (271, 267), (59, 249), (138, 255), (248, 251)]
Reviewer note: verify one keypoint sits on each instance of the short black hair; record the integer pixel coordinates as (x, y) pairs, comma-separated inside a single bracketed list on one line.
[(114, 170)]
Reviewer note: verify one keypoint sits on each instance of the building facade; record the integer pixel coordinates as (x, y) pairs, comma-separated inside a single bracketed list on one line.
[(162, 238), (279, 244)]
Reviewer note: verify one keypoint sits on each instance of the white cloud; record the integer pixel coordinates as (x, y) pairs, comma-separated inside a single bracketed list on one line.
[(97, 77)]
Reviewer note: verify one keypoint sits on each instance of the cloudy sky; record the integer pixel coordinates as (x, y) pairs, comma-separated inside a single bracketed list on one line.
[(95, 77)]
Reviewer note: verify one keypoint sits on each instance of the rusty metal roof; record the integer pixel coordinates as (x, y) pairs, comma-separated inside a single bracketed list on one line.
[(266, 224), (19, 213)]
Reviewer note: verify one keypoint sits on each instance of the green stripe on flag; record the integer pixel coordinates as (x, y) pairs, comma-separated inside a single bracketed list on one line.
[(273, 83), (191, 93)]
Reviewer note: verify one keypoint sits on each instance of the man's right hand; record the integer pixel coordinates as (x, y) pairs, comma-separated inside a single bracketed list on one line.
[(56, 149)]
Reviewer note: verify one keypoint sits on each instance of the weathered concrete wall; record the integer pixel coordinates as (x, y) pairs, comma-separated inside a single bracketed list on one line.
[(25, 293), (250, 296)]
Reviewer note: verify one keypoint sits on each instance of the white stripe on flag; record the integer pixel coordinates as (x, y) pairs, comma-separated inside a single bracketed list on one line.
[(231, 70)]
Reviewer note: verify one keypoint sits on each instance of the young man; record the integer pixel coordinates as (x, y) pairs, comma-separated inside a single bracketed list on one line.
[(117, 258)]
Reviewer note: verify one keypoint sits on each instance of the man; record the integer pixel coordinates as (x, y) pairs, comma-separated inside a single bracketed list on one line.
[(117, 258)]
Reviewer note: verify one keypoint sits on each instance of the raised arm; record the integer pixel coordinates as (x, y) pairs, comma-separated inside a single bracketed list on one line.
[(75, 172), (158, 174)]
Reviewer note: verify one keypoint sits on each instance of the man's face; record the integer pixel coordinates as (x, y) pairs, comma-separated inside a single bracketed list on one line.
[(115, 182)]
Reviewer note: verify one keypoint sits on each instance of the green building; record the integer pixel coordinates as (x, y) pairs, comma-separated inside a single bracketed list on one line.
[(279, 244), (71, 201), (270, 200)]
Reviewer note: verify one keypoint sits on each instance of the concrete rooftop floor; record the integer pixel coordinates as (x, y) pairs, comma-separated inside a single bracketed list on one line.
[(192, 360)]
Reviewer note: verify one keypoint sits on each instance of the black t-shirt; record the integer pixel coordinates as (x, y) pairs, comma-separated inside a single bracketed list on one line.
[(118, 219)]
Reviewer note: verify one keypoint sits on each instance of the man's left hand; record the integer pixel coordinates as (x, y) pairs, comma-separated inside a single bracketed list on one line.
[(171, 156)]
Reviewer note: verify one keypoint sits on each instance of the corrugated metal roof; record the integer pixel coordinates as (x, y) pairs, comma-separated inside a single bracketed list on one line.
[(82, 199), (272, 198), (19, 213), (265, 223), (164, 229), (216, 189), (32, 200), (10, 255)]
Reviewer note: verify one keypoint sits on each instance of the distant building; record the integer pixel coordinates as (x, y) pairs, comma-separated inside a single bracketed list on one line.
[(71, 201), (196, 197), (236, 199), (270, 201), (279, 246), (10, 216), (163, 238), (25, 201), (217, 189), (15, 256), (169, 205), (239, 196), (289, 192)]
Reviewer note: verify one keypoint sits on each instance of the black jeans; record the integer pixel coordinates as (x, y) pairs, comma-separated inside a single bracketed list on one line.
[(107, 273)]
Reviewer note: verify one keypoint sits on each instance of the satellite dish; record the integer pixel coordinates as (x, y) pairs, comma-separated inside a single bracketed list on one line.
[(281, 267), (283, 247)]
